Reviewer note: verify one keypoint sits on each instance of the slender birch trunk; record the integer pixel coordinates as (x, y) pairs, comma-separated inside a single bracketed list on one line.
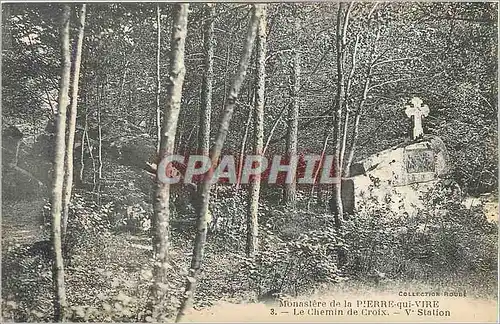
[(242, 149), (347, 105), (204, 193), (82, 151), (6, 27), (207, 85), (158, 77), (99, 148), (58, 180), (226, 69), (275, 124), (316, 173), (360, 109), (85, 137), (355, 130), (290, 189), (91, 154), (341, 33), (68, 177), (82, 157), (252, 247), (161, 217)]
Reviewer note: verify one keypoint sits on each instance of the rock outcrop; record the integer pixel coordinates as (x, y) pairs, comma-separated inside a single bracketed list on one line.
[(397, 177)]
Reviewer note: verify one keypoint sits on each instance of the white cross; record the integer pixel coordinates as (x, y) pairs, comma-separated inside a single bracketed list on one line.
[(417, 111)]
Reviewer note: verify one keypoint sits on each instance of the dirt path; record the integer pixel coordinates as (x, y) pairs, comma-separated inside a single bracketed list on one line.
[(21, 222)]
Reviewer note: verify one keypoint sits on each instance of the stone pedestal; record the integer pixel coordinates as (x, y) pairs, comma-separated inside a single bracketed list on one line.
[(397, 176)]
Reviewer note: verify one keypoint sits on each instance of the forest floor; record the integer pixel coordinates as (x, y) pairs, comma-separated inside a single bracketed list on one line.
[(101, 268), (21, 222), (118, 264)]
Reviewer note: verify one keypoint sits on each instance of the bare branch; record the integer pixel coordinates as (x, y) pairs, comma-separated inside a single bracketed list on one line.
[(346, 24), (372, 10), (402, 79), (286, 50), (395, 60), (353, 67), (49, 101), (280, 116), (381, 54)]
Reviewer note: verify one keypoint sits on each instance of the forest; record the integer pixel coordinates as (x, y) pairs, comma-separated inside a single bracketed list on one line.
[(97, 97)]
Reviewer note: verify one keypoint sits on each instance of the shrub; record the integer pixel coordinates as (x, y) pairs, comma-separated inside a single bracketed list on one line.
[(443, 237), (294, 256)]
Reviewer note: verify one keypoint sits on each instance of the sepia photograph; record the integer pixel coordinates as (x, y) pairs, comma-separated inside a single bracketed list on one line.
[(249, 162)]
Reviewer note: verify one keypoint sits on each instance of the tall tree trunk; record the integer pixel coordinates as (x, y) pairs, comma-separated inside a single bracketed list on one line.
[(68, 177), (252, 246), (204, 193), (123, 81), (355, 130), (6, 27), (85, 137), (161, 217), (207, 87), (207, 84), (359, 110), (341, 32), (91, 154), (347, 101), (316, 173), (226, 69), (82, 148), (275, 124), (242, 148), (290, 189), (158, 77), (99, 147), (58, 180), (82, 155)]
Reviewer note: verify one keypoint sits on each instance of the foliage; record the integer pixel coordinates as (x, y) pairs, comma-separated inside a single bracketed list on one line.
[(23, 294), (293, 267), (89, 216), (444, 237), (423, 44), (109, 274), (294, 255), (228, 210), (107, 279)]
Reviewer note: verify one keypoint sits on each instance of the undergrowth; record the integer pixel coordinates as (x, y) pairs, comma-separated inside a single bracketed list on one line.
[(108, 273)]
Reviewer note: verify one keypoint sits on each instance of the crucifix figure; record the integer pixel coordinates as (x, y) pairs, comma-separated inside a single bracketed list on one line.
[(417, 111)]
